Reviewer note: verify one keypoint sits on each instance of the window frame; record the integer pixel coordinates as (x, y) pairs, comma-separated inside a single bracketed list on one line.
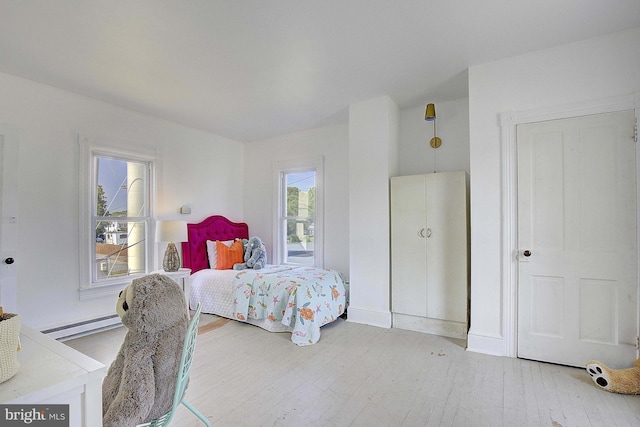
[(280, 170), (89, 285)]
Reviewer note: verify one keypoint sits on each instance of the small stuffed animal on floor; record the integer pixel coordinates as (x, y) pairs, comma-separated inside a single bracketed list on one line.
[(140, 382), (255, 255), (624, 381)]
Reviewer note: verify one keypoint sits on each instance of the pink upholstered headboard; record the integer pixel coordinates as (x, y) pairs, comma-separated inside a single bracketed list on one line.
[(216, 227)]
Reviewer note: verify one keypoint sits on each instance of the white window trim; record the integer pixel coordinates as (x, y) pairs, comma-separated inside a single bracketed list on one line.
[(88, 289), (292, 166)]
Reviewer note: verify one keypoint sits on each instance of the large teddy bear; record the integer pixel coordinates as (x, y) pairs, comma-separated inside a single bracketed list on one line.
[(624, 381), (140, 382), (255, 255)]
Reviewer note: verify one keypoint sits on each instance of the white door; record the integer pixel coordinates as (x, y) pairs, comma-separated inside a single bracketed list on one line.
[(446, 246), (408, 245), (577, 269), (9, 219)]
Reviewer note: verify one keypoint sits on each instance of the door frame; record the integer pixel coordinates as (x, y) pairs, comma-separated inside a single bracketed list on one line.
[(9, 159), (508, 123)]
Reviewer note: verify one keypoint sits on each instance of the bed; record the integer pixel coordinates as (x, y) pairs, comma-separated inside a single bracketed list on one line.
[(277, 298)]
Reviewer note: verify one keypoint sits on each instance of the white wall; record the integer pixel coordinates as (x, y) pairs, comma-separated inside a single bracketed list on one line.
[(578, 72), (373, 158), (194, 168), (409, 155), (452, 126), (332, 144)]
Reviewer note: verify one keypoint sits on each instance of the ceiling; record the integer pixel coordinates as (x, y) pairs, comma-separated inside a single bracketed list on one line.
[(253, 69)]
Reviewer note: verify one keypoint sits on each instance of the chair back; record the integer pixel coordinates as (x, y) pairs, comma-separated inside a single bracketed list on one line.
[(188, 351), (187, 357)]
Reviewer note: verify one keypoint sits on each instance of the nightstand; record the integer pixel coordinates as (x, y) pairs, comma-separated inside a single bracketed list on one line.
[(182, 278)]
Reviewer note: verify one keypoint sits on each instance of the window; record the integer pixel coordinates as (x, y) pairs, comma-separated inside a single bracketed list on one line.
[(299, 226), (117, 218)]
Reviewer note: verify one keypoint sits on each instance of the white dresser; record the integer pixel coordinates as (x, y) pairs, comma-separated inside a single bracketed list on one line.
[(53, 373)]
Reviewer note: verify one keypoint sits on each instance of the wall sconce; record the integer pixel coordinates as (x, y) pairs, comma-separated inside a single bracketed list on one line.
[(430, 116), (171, 231)]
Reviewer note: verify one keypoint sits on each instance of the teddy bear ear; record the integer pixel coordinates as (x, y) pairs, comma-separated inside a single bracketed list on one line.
[(122, 306)]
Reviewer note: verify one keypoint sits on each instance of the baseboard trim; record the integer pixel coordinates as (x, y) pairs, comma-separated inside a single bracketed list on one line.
[(381, 319), (486, 345), (445, 328), (76, 330)]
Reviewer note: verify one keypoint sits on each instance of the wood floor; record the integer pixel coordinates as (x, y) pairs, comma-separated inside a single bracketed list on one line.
[(359, 375)]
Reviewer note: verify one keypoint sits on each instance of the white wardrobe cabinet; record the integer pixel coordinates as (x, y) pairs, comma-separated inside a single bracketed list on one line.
[(430, 253)]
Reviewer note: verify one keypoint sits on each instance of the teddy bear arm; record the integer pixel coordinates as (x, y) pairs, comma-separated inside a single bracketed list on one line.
[(623, 381), (136, 393), (111, 382)]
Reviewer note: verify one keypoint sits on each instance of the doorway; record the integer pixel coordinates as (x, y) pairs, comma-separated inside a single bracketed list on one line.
[(9, 218), (509, 178)]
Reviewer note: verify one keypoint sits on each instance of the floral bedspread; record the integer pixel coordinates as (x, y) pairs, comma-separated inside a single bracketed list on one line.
[(308, 296)]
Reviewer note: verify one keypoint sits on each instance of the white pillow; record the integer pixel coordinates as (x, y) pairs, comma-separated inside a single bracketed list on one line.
[(212, 252)]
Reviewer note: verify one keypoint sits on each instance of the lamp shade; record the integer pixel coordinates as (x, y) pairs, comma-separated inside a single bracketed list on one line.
[(171, 231), (430, 113)]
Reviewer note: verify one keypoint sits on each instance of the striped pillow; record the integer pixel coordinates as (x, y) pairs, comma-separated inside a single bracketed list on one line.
[(228, 256)]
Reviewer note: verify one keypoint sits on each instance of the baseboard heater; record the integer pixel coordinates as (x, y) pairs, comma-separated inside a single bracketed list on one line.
[(76, 330)]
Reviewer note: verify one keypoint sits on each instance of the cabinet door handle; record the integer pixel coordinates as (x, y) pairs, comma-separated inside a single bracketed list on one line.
[(421, 232), (428, 232)]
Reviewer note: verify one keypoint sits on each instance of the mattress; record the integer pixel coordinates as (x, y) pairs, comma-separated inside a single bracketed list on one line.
[(214, 289)]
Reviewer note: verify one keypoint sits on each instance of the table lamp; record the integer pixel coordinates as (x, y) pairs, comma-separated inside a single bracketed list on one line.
[(171, 232)]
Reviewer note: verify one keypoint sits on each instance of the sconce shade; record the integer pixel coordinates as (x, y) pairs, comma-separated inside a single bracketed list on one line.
[(430, 113), (171, 231)]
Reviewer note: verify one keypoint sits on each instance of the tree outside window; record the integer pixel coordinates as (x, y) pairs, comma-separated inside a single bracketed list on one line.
[(300, 217)]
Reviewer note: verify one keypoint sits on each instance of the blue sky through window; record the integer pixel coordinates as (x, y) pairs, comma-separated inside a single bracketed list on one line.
[(112, 175), (304, 180)]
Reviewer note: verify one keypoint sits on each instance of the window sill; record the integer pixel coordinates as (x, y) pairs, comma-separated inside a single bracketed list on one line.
[(104, 290)]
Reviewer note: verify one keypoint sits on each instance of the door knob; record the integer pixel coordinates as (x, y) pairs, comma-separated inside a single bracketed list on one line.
[(523, 255)]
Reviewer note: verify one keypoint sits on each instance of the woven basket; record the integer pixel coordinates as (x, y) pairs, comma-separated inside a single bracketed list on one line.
[(9, 345)]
